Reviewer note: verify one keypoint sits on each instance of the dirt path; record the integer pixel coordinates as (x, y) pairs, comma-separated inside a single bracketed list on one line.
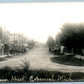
[(40, 60)]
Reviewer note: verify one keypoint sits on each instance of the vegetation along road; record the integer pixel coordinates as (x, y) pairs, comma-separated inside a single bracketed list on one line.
[(40, 59)]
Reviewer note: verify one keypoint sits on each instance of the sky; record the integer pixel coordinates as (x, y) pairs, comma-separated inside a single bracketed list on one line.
[(39, 20)]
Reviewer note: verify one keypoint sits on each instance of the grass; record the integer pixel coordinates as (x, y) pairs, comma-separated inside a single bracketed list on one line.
[(67, 60), (2, 59), (10, 74)]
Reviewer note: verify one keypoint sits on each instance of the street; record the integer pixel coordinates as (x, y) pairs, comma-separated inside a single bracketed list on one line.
[(39, 59)]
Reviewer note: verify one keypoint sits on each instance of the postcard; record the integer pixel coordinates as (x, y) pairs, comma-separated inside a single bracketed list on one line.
[(42, 42)]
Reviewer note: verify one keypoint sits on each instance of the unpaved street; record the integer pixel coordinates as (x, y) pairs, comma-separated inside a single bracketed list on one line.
[(39, 60)]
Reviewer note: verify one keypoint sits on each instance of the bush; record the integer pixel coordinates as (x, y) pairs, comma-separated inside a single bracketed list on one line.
[(7, 73)]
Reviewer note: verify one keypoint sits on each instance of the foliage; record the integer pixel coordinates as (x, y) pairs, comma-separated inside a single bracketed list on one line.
[(25, 64), (31, 44), (50, 42), (25, 67), (72, 35), (13, 74), (4, 36)]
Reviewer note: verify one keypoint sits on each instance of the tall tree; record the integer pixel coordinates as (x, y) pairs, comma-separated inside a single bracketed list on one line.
[(72, 35), (50, 42)]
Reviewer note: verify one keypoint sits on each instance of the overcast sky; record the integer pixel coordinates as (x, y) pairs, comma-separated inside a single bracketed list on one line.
[(38, 20)]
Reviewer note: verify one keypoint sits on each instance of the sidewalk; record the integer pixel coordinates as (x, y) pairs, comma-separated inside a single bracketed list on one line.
[(2, 56)]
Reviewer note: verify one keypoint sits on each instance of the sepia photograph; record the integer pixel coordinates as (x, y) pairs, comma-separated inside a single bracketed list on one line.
[(42, 42)]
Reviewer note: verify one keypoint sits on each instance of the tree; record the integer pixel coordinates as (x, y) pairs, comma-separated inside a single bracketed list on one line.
[(4, 39), (50, 42), (31, 43), (72, 36)]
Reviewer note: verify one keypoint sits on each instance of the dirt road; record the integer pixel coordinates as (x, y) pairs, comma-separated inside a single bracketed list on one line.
[(39, 60)]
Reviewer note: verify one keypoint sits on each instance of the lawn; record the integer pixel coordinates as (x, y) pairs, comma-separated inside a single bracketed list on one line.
[(67, 60)]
